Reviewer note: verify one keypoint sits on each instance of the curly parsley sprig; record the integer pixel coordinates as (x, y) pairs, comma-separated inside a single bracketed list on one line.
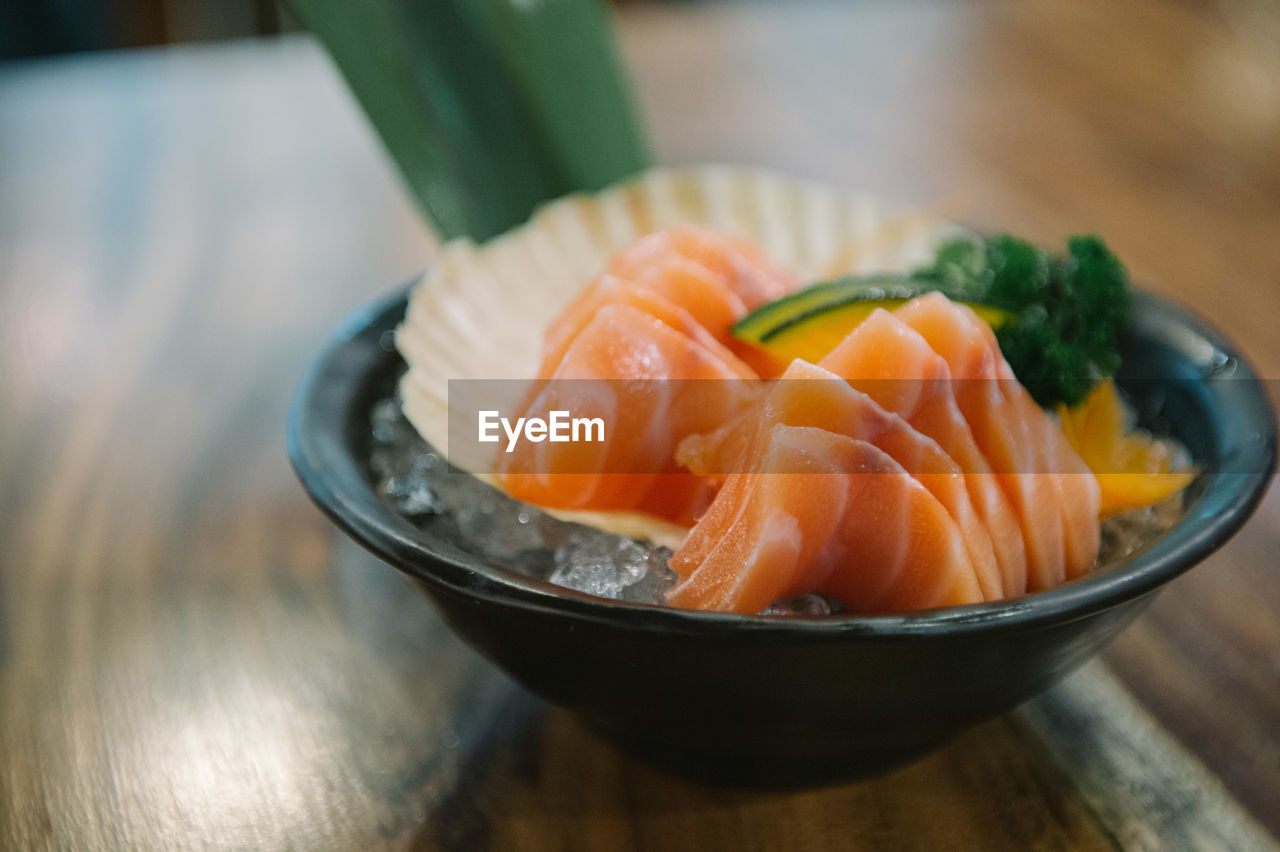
[(1069, 309)]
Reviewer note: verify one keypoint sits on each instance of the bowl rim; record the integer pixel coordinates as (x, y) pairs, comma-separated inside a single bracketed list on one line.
[(360, 346)]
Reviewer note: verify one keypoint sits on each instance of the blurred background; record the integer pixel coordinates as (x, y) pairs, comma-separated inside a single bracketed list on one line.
[(43, 27), (191, 199)]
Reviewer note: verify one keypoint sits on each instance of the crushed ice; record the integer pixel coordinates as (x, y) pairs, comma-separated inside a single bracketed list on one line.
[(613, 567), (420, 484), (809, 605), (1130, 531), (476, 518)]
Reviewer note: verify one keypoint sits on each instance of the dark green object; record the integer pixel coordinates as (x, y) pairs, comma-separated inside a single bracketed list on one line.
[(764, 323), (774, 701), (1070, 308), (488, 107)]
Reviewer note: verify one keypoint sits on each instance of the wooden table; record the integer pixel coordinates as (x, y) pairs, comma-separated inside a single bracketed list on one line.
[(191, 656)]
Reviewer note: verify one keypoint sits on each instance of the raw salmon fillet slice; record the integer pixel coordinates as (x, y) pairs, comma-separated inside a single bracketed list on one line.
[(763, 537), (610, 290), (808, 395), (714, 277), (895, 366), (736, 263), (829, 512), (680, 262), (1053, 491), (675, 281), (620, 368), (653, 324)]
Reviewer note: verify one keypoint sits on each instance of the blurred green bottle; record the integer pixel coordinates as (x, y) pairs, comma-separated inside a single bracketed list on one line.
[(489, 107)]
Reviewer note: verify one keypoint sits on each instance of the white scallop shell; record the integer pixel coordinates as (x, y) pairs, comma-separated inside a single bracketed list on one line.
[(480, 311)]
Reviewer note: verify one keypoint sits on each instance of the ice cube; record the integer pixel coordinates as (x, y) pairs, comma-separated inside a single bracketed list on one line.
[(387, 421), (600, 565), (658, 578), (411, 495), (419, 483), (809, 605)]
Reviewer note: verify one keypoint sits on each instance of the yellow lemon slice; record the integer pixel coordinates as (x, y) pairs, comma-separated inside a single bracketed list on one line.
[(1133, 467)]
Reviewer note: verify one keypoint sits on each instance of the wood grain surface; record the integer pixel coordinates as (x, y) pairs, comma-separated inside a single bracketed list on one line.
[(192, 657)]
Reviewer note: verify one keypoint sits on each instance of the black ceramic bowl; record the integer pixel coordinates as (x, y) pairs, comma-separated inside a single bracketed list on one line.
[(782, 701)]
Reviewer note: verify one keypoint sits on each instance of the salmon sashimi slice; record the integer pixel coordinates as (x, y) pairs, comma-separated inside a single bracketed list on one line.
[(1056, 497), (682, 261), (647, 381), (610, 290), (808, 395), (736, 263), (1001, 430), (674, 279), (714, 277), (894, 365), (828, 512), (658, 317), (763, 537)]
